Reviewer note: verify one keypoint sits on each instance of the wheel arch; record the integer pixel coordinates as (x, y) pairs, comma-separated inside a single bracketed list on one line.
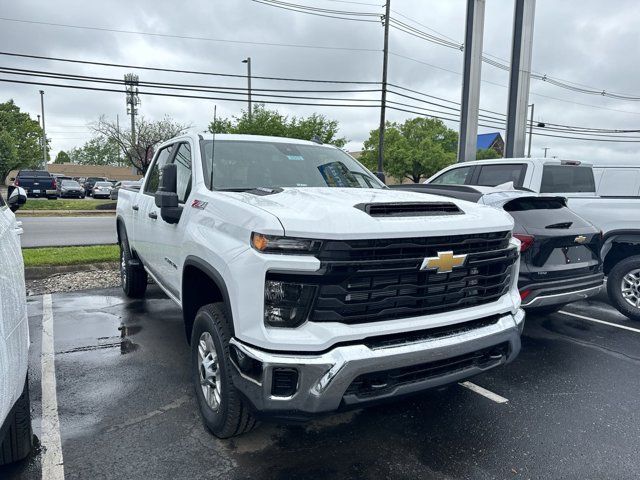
[(618, 245), (202, 284)]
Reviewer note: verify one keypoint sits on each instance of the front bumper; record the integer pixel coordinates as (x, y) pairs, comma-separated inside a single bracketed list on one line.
[(561, 291), (334, 379)]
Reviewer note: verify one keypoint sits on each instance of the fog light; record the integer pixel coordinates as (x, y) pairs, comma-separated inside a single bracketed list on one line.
[(286, 304), (284, 382)]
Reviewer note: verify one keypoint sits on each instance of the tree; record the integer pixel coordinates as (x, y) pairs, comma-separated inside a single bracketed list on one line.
[(20, 138), (487, 154), (272, 123), (62, 157), (98, 151), (415, 149), (148, 134)]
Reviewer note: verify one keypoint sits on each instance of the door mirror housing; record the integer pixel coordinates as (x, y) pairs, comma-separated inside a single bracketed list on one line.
[(167, 197), (17, 198)]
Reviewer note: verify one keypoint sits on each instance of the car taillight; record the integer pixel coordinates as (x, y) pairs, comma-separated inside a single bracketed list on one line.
[(55, 184), (524, 294), (525, 241)]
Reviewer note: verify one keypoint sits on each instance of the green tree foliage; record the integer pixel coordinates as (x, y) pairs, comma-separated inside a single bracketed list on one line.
[(487, 154), (148, 135), (20, 135), (99, 150), (272, 123), (415, 149), (62, 157)]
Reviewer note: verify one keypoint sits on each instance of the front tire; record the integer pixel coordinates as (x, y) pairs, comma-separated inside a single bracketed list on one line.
[(133, 277), (623, 287), (222, 408), (18, 439)]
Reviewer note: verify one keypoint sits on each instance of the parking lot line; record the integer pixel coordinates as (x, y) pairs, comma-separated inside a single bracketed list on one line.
[(624, 327), (484, 392), (52, 464)]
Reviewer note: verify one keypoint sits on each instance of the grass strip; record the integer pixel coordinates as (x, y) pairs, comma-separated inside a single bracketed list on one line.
[(63, 204), (41, 257)]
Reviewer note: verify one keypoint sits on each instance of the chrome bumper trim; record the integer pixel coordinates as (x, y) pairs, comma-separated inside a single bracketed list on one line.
[(544, 300), (324, 378)]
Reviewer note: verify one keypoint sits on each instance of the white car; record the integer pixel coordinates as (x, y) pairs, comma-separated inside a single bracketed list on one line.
[(15, 416), (306, 284)]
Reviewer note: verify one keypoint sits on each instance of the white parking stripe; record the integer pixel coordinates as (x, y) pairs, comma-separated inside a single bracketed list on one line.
[(52, 465), (484, 392), (623, 327)]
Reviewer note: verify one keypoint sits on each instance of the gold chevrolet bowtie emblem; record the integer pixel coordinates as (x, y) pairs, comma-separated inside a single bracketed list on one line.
[(580, 239), (445, 262)]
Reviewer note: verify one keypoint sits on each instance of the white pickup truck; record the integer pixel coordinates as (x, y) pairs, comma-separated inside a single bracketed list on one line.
[(307, 286), (610, 200)]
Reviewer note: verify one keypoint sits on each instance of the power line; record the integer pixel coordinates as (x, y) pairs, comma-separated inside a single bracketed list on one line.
[(185, 37), (318, 12)]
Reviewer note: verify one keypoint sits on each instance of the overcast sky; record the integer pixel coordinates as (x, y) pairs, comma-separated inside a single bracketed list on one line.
[(583, 41)]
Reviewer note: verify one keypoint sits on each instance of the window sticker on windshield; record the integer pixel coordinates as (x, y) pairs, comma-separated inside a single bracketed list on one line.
[(295, 157)]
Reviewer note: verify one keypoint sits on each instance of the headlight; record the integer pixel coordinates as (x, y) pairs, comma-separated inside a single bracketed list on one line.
[(276, 244), (286, 304)]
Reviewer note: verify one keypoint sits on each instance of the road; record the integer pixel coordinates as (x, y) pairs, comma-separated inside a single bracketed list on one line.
[(60, 231), (127, 408)]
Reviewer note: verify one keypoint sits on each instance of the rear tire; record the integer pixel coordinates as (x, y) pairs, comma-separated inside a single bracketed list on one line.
[(133, 278), (18, 439), (223, 410), (625, 275)]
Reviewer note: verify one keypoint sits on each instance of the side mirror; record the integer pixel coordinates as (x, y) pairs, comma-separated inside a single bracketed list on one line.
[(17, 198), (167, 197)]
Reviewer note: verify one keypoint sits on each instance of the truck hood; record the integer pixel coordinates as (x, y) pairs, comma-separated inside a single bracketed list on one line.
[(331, 213)]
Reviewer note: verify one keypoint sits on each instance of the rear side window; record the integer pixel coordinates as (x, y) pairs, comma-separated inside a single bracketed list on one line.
[(153, 181), (492, 175), (182, 161), (534, 203), (456, 176), (567, 179)]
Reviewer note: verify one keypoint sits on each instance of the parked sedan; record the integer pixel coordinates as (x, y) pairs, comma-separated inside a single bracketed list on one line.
[(560, 251), (15, 416), (128, 184), (90, 182), (102, 190), (70, 189)]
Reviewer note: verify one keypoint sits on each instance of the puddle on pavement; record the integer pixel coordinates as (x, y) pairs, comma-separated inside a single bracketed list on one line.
[(88, 302), (117, 341)]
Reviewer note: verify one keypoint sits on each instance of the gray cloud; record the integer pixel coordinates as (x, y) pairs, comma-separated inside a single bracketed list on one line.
[(583, 41)]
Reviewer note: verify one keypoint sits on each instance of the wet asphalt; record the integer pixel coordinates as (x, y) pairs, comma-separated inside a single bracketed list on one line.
[(127, 408)]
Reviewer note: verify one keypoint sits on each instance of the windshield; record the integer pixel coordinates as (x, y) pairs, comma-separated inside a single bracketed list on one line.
[(246, 165), (70, 183)]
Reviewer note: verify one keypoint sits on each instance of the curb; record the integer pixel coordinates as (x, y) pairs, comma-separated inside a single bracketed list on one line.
[(37, 273)]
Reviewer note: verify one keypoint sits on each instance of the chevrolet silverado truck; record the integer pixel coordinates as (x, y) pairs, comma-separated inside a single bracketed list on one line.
[(606, 194), (307, 286)]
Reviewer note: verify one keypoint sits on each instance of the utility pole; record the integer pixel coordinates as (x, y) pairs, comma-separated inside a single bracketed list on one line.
[(383, 100), (470, 104), (530, 130), (133, 100), (44, 133), (545, 151), (519, 77), (248, 62)]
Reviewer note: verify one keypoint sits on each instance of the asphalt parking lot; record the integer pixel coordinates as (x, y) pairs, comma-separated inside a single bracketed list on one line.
[(127, 410)]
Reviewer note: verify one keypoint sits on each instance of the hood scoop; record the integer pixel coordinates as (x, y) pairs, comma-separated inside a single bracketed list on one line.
[(409, 209)]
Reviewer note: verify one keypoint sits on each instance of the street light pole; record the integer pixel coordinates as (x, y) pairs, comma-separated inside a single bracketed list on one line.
[(545, 151), (248, 62), (44, 134)]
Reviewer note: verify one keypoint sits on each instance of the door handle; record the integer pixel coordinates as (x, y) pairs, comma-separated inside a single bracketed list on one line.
[(135, 207), (153, 215)]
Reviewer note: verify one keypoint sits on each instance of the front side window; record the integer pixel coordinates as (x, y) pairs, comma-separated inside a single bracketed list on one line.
[(246, 165), (151, 187), (182, 160), (567, 179), (456, 176)]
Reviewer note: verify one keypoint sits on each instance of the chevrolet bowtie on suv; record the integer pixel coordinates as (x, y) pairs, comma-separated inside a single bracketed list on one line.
[(307, 286)]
